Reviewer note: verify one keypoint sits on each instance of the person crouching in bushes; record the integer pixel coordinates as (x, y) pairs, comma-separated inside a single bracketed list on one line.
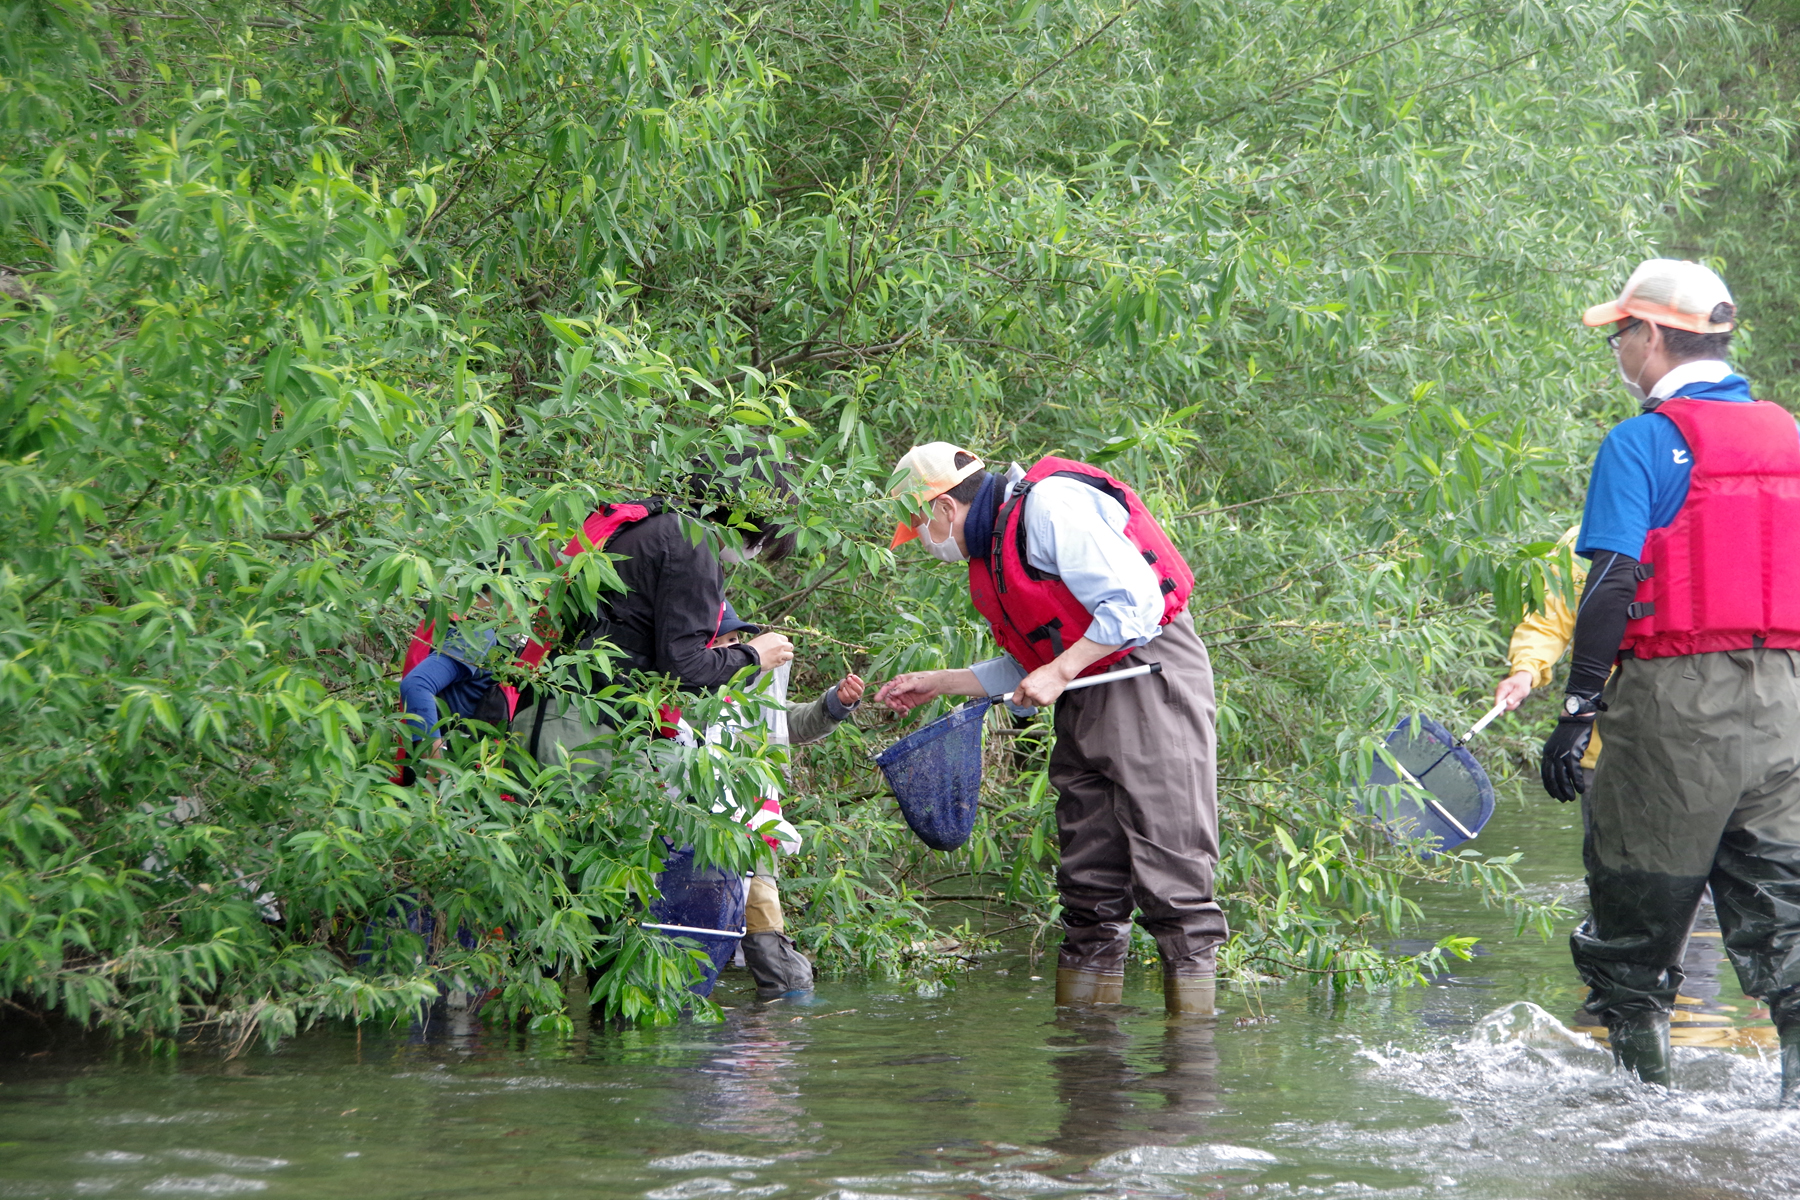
[(771, 957)]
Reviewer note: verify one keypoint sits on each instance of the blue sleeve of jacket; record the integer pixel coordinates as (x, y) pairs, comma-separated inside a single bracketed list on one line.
[(1078, 533), (419, 689)]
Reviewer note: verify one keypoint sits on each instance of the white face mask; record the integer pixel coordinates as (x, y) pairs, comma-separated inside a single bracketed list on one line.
[(944, 551), (1632, 386)]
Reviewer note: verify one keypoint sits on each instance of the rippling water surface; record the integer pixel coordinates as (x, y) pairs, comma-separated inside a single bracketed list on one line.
[(1468, 1088)]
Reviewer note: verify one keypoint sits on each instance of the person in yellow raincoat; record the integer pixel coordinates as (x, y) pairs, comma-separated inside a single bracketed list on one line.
[(1538, 642)]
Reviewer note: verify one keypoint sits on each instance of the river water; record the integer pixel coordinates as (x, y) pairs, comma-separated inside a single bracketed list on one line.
[(973, 1089)]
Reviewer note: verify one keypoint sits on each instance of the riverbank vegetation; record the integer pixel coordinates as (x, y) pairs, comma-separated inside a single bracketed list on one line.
[(308, 308)]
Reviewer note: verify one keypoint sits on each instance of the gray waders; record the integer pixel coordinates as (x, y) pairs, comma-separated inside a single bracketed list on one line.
[(1699, 783)]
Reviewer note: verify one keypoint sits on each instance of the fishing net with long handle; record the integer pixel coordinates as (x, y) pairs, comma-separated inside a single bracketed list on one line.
[(935, 771), (1439, 794)]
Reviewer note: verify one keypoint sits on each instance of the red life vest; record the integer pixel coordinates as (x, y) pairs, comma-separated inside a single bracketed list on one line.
[(1725, 574), (1035, 616), (595, 531)]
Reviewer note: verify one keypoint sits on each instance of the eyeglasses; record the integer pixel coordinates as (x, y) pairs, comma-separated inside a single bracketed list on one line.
[(1612, 339)]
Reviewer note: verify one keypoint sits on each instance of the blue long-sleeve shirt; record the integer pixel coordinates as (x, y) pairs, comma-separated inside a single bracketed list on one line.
[(1077, 533), (455, 673)]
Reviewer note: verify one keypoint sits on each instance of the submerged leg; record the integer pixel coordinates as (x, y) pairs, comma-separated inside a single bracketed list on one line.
[(1078, 988), (1640, 1043), (1756, 870), (773, 961), (1152, 740), (1790, 1067), (1668, 780), (777, 966), (1190, 995)]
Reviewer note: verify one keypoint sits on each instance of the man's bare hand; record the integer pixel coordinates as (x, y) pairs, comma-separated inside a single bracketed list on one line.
[(772, 650), (1513, 690), (1041, 688), (905, 692), (850, 690)]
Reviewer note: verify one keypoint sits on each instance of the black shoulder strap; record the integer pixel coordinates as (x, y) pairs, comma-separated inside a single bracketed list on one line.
[(537, 725), (996, 543)]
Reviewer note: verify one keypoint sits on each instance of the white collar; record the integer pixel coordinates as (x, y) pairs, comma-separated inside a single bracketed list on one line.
[(1702, 370), (1015, 475)]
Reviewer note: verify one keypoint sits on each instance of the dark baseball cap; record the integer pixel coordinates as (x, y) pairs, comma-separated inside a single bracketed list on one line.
[(732, 623)]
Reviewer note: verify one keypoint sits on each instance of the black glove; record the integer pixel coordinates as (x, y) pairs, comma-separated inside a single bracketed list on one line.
[(1561, 764)]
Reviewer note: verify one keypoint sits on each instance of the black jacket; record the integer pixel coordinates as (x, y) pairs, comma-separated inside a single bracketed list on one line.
[(674, 592)]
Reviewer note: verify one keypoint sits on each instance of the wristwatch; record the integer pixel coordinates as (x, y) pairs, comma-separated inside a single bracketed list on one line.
[(1576, 706)]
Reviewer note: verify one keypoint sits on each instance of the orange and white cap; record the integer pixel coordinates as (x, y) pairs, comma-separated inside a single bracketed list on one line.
[(930, 471), (1671, 292)]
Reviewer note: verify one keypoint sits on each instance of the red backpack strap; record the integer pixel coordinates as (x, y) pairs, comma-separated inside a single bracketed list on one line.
[(419, 647), (601, 526)]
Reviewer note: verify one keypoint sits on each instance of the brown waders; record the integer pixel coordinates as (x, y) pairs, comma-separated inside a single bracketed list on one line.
[(1137, 820), (1700, 783)]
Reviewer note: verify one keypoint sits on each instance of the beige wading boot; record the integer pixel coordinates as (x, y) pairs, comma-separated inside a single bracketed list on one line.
[(1640, 1043), (1790, 1067), (1075, 987), (1190, 995)]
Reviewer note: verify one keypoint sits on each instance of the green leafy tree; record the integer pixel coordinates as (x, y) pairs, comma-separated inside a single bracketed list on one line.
[(310, 311)]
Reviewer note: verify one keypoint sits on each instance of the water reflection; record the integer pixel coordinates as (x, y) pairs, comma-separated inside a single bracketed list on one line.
[(1111, 1103), (750, 1087)]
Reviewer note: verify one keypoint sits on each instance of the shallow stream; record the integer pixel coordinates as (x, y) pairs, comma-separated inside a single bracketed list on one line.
[(975, 1089)]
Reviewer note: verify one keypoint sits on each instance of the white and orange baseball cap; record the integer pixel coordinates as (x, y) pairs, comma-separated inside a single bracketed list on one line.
[(930, 471), (1671, 292)]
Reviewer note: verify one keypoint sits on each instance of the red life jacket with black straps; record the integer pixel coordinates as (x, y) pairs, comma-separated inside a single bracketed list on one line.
[(501, 703), (1725, 573), (1035, 616)]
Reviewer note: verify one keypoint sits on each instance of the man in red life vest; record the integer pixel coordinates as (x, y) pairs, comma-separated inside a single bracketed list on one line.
[(1692, 528), (1074, 577)]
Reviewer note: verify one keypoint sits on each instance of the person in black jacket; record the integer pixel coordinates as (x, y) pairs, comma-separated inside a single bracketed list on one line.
[(666, 619)]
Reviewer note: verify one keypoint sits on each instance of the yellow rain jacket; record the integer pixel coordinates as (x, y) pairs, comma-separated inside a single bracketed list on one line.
[(1543, 637)]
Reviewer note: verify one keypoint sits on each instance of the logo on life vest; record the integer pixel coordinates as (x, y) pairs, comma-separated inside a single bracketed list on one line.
[(1681, 457)]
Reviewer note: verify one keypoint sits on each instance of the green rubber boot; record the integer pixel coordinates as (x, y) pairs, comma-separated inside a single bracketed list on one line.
[(1640, 1043), (1075, 987), (1790, 1067), (1190, 995)]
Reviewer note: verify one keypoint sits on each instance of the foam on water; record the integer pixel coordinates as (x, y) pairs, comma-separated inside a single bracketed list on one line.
[(207, 1185), (687, 1189), (1003, 1184), (707, 1160), (1182, 1160), (231, 1162), (1534, 1108)]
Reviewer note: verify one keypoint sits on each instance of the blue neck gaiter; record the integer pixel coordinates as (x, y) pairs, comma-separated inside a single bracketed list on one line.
[(978, 529)]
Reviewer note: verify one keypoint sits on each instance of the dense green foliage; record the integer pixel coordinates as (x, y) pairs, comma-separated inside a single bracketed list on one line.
[(308, 308)]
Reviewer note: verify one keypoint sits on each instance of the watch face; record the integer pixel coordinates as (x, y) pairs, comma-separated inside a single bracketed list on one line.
[(1572, 704)]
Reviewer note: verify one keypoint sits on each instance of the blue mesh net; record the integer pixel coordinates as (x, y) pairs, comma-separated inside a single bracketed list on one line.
[(1460, 794), (709, 898), (936, 775)]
